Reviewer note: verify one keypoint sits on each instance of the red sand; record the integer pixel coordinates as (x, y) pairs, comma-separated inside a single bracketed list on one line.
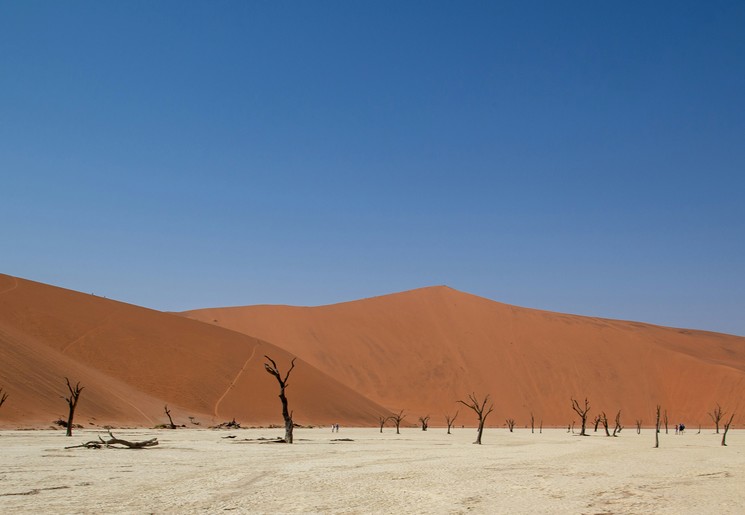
[(132, 361), (423, 350), (419, 351)]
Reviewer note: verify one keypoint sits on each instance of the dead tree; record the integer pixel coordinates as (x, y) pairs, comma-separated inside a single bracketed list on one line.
[(424, 421), (665, 417), (604, 420), (582, 412), (481, 411), (532, 423), (113, 442), (726, 428), (72, 402), (638, 426), (381, 421), (510, 424), (397, 418), (540, 427), (717, 415), (286, 414), (597, 421), (228, 425), (657, 429), (171, 425), (3, 397), (617, 429), (450, 420)]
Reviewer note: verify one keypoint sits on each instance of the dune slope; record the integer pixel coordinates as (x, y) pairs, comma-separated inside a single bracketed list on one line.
[(425, 349), (132, 361)]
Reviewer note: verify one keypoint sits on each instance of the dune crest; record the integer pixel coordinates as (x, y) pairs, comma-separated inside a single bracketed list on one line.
[(132, 361), (424, 349)]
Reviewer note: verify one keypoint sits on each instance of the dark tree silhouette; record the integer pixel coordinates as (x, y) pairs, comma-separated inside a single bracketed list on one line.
[(540, 427), (617, 429), (3, 397), (451, 420), (597, 421), (286, 414), (582, 412), (532, 423), (114, 441), (510, 424), (381, 421), (604, 420), (638, 426), (657, 429), (397, 418), (72, 402), (665, 418), (481, 411), (424, 421), (171, 425), (717, 415), (726, 428)]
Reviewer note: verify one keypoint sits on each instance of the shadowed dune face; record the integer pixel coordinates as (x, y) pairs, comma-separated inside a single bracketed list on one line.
[(132, 361), (423, 350)]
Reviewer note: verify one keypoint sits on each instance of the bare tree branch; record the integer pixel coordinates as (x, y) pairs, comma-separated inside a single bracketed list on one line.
[(510, 424), (582, 412), (451, 420), (286, 414), (382, 420), (113, 441), (397, 418), (480, 409), (424, 421), (657, 429), (726, 428), (717, 415), (72, 402), (171, 425)]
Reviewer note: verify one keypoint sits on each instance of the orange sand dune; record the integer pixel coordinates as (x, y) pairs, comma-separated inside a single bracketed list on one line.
[(423, 350), (132, 361)]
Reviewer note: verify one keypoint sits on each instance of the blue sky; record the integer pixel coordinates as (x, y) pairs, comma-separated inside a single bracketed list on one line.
[(583, 157)]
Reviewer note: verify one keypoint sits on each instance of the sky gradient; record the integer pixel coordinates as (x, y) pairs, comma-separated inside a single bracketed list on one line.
[(587, 157)]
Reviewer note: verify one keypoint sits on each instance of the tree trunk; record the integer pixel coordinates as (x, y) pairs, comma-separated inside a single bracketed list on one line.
[(96, 444), (171, 425), (726, 428), (481, 411), (72, 403), (582, 412), (481, 431), (604, 420), (657, 429), (286, 415)]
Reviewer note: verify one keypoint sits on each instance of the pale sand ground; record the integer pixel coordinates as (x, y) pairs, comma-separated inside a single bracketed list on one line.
[(415, 472)]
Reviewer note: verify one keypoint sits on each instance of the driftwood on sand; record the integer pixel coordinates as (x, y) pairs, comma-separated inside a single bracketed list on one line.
[(115, 443)]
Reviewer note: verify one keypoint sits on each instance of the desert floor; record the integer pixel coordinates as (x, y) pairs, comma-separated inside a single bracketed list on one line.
[(414, 472)]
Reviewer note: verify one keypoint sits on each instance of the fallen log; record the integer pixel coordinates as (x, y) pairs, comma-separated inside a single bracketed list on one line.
[(114, 442)]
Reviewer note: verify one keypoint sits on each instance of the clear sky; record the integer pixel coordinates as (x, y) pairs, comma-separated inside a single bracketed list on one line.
[(583, 157)]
